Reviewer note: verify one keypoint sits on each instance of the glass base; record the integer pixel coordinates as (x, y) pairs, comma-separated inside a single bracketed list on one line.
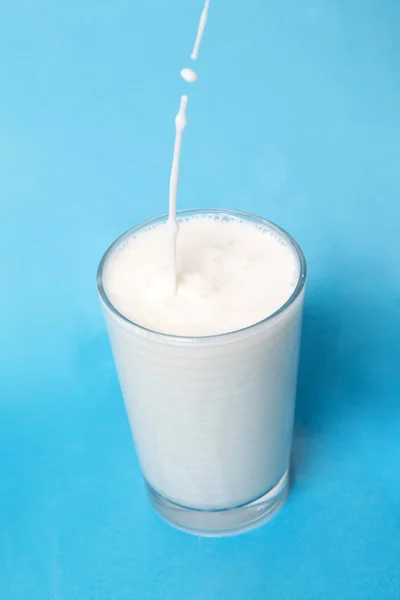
[(223, 522)]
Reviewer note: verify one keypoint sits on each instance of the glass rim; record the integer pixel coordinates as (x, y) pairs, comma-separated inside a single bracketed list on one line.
[(218, 336)]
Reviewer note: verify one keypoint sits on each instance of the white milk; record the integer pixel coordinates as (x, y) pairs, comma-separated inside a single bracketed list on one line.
[(200, 31), (180, 123), (211, 416), (172, 229), (189, 75), (208, 380), (230, 274)]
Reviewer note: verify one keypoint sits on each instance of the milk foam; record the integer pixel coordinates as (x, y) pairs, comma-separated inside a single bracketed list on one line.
[(230, 274)]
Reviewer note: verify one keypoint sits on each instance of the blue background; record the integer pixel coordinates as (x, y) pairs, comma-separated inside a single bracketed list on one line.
[(296, 116)]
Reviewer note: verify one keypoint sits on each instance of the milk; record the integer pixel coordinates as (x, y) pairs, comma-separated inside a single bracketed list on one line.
[(200, 31), (189, 75), (230, 274), (204, 316), (212, 412), (172, 224), (180, 123)]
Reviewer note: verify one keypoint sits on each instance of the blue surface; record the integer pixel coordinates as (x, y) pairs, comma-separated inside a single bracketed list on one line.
[(296, 116)]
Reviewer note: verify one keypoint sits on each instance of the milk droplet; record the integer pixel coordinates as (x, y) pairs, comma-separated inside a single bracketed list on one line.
[(189, 75)]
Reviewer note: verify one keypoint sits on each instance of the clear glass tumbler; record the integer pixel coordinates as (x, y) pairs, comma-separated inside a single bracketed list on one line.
[(212, 417)]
